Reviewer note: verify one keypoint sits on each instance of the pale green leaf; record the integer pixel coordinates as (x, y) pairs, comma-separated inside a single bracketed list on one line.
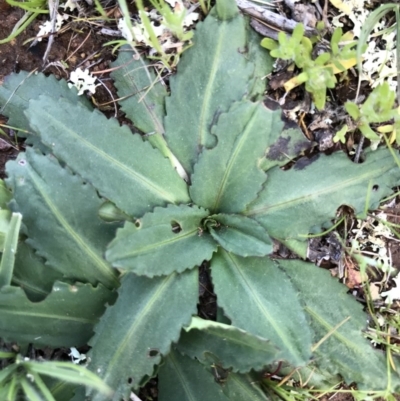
[(233, 348), (272, 308), (243, 387), (32, 275), (142, 92), (70, 373), (159, 245), (338, 319), (308, 195), (202, 88), (181, 378), (63, 225), (225, 9), (18, 89), (10, 249), (108, 156), (227, 177), (240, 235), (134, 333), (65, 318)]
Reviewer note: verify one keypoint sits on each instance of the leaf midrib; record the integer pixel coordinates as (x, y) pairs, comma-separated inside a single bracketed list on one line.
[(202, 130), (103, 267), (151, 247), (47, 316), (289, 344), (138, 178), (304, 199), (232, 159), (136, 324)]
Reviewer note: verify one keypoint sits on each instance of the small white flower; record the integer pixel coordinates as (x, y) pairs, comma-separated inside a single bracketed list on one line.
[(82, 80), (70, 4), (46, 27), (76, 356), (394, 293)]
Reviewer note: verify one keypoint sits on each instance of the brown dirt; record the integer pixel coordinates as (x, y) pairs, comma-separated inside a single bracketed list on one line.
[(80, 45)]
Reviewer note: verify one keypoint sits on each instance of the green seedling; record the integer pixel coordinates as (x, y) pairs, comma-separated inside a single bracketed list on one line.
[(318, 73), (115, 226), (377, 109), (43, 380)]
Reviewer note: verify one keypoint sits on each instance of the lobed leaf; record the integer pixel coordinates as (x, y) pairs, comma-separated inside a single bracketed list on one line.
[(64, 319), (344, 350), (239, 387), (240, 235), (159, 246), (108, 156), (276, 312), (308, 195), (181, 378), (142, 92), (228, 177), (218, 58), (63, 225), (32, 275), (233, 348), (18, 89), (134, 333)]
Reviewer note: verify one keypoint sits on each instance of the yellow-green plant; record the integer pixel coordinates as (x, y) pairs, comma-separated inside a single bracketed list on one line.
[(318, 73)]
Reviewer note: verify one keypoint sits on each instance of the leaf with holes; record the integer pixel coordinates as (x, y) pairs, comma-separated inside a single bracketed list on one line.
[(233, 348), (158, 246), (134, 333)]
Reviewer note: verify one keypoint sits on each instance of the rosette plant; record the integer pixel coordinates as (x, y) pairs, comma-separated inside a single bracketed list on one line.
[(116, 225)]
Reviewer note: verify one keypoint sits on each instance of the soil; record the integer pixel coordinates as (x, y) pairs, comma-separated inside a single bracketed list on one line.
[(82, 45)]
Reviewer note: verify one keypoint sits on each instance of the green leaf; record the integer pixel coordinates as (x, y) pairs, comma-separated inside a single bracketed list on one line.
[(159, 246), (32, 275), (63, 225), (234, 348), (240, 387), (134, 333), (289, 210), (181, 378), (240, 235), (18, 89), (345, 351), (64, 319), (263, 65), (10, 248), (227, 177), (5, 195), (225, 10), (108, 156), (276, 313), (142, 91), (217, 58)]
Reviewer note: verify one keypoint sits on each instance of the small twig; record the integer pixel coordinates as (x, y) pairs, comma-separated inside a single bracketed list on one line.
[(270, 18), (359, 149), (53, 8)]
